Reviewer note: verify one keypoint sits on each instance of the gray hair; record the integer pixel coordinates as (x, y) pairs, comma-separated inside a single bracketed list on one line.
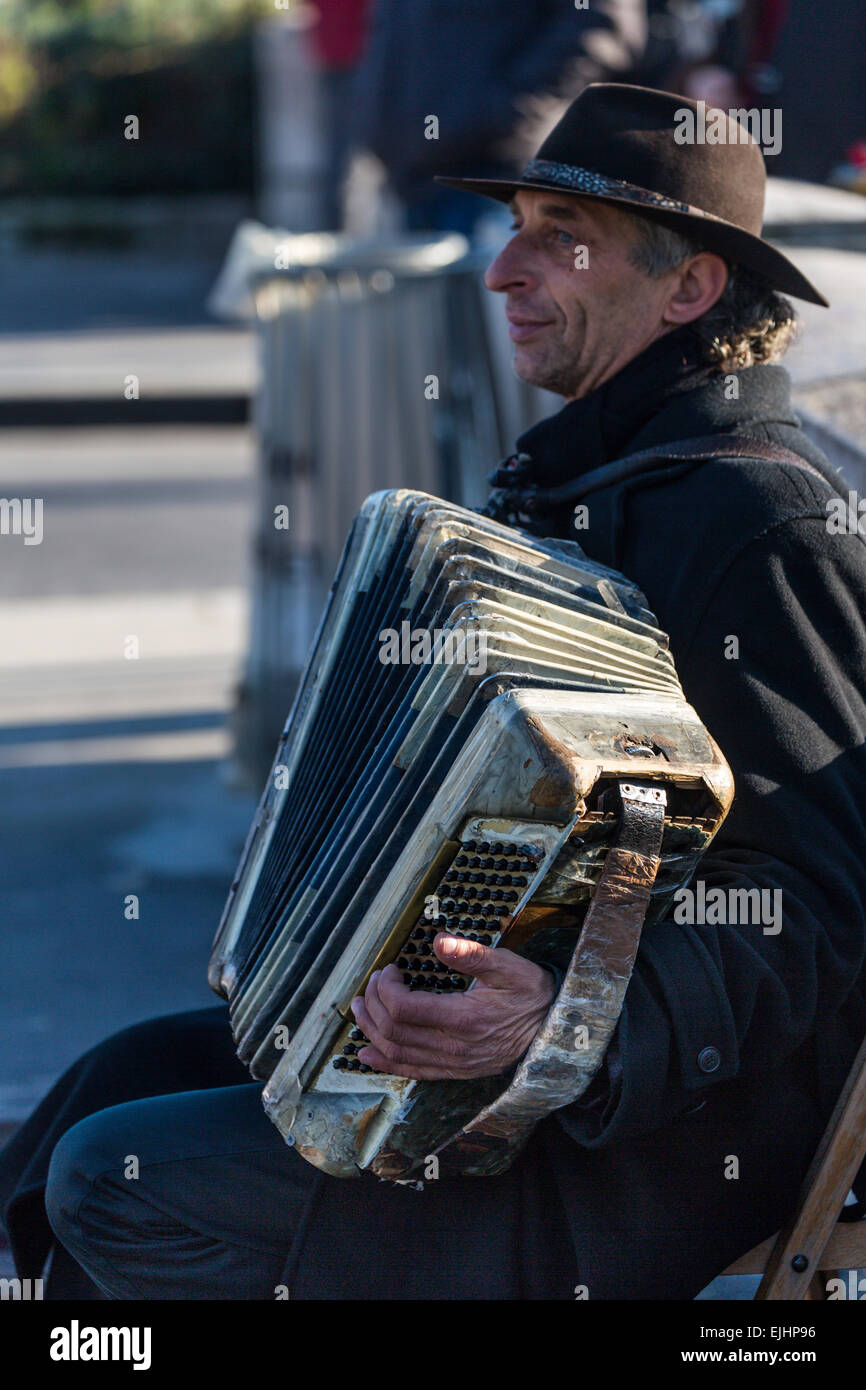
[(749, 323)]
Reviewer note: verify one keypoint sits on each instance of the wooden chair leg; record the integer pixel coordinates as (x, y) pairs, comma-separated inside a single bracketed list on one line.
[(797, 1253), (817, 1290)]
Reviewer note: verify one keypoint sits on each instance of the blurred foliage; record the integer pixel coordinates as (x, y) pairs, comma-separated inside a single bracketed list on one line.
[(71, 71), (124, 23), (18, 78)]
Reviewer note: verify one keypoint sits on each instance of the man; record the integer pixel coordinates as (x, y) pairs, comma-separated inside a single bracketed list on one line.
[(736, 1034)]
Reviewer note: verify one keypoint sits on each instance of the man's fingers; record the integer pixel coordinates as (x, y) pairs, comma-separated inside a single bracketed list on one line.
[(414, 1006), (495, 967), (405, 1055), (427, 1036), (428, 1059), (443, 1071), (423, 1040), (376, 1009), (393, 1006), (466, 957), (390, 1002)]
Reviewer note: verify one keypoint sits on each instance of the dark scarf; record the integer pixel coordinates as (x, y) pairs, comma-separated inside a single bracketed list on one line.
[(595, 429)]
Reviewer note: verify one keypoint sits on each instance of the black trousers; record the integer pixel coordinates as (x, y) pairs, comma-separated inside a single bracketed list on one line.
[(151, 1171)]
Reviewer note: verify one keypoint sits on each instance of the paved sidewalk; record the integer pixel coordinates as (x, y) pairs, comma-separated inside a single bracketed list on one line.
[(203, 361), (113, 779), (112, 773)]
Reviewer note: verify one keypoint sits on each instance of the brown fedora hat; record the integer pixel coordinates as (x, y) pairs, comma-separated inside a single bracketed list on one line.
[(631, 146)]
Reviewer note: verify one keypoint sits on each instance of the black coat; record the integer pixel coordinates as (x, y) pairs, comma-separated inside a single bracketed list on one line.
[(729, 548)]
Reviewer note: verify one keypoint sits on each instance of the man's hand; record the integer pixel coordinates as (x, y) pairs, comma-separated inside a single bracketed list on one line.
[(434, 1037)]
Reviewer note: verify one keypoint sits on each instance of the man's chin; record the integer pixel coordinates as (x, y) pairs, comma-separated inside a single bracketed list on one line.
[(528, 366), (535, 373)]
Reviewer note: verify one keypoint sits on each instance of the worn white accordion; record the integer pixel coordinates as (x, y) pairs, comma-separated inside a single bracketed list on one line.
[(489, 738)]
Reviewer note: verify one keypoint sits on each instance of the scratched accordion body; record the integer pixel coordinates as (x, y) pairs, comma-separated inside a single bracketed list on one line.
[(481, 712)]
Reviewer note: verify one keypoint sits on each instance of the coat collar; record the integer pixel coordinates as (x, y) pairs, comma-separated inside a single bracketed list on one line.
[(664, 394)]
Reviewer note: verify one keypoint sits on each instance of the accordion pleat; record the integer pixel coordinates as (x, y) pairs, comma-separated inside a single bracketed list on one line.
[(368, 742)]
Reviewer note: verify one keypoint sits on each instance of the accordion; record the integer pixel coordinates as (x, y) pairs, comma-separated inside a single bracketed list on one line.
[(489, 738)]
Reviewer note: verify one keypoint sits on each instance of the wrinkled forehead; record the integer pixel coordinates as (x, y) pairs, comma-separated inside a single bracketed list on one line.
[(540, 203)]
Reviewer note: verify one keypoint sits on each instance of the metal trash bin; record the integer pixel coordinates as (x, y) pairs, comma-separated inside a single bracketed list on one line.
[(376, 372)]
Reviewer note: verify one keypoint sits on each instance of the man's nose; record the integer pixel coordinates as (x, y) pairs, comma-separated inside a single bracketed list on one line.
[(511, 268)]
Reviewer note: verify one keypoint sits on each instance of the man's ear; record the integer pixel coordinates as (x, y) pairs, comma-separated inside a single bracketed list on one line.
[(700, 282)]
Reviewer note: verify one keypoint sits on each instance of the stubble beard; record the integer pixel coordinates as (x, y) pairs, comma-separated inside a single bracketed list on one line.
[(558, 369), (557, 373)]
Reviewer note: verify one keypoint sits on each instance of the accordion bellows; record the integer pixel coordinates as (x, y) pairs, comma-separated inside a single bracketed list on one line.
[(487, 725)]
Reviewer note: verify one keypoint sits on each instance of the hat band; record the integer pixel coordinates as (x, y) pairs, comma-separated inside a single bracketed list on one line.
[(571, 176)]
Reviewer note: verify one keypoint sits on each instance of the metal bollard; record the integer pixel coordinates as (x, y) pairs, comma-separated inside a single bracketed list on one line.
[(376, 372)]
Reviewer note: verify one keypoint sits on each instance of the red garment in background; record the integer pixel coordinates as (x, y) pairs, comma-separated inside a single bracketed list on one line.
[(338, 37), (771, 19)]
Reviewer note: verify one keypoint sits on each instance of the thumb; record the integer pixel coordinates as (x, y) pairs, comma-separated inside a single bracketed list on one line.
[(471, 958)]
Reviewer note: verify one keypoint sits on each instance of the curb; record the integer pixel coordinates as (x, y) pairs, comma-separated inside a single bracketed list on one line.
[(36, 412)]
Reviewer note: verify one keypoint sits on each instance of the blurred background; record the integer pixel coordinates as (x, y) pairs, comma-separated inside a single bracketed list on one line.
[(233, 303)]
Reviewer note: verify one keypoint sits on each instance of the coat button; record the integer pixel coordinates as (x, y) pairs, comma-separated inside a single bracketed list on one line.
[(709, 1059)]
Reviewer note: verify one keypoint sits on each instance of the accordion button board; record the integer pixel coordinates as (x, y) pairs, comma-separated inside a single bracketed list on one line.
[(475, 701), (477, 898)]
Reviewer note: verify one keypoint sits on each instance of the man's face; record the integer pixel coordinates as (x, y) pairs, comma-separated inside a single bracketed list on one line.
[(574, 327)]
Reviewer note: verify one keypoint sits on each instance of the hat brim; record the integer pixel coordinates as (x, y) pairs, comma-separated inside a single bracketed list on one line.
[(725, 238)]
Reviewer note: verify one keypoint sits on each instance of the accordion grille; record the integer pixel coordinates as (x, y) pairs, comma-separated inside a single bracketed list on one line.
[(476, 899)]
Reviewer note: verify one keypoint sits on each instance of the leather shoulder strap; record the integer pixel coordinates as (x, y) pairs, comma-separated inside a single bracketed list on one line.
[(696, 451), (735, 446)]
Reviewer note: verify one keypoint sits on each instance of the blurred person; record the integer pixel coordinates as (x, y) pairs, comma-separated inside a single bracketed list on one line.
[(681, 36), (338, 38), (452, 83), (733, 1040), (807, 60), (696, 43)]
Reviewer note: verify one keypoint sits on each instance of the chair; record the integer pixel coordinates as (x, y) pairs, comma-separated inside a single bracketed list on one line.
[(815, 1240)]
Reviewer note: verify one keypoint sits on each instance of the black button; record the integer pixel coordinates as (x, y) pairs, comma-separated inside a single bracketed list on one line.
[(709, 1059)]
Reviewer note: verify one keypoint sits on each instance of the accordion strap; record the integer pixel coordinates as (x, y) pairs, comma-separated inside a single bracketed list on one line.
[(694, 451), (527, 499), (570, 1045)]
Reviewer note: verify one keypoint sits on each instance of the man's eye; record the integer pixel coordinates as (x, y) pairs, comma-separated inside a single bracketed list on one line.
[(563, 236)]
